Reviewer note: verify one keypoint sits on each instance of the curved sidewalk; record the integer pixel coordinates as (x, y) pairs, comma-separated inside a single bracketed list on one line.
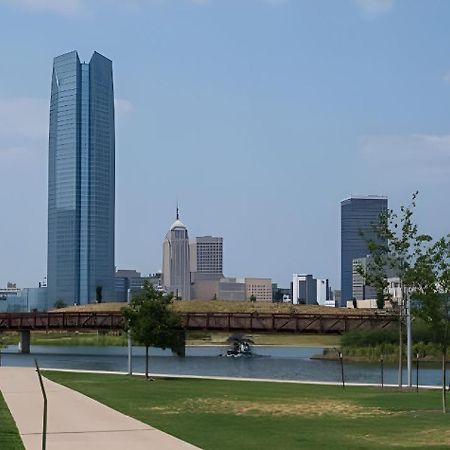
[(74, 420)]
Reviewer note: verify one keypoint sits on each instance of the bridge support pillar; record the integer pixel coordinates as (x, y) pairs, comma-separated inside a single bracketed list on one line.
[(24, 343)]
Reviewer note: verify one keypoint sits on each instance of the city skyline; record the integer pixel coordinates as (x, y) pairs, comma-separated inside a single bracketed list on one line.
[(270, 129)]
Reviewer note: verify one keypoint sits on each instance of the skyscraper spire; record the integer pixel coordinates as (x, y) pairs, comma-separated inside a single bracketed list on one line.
[(176, 259)]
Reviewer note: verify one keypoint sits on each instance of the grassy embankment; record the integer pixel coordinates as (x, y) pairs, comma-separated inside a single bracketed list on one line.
[(369, 345), (9, 436), (193, 338), (227, 306), (223, 415)]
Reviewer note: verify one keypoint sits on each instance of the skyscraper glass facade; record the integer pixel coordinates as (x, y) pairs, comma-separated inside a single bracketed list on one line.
[(358, 215), (81, 184)]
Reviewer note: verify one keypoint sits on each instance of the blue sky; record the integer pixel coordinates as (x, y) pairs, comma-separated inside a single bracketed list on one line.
[(258, 115)]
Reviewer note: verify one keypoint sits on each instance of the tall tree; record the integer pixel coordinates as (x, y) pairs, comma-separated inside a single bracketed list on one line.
[(432, 297), (153, 323)]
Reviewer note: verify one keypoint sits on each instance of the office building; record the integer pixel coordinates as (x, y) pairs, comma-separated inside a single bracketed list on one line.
[(232, 289), (24, 300), (337, 297), (360, 290), (308, 290), (133, 281), (81, 185), (206, 265), (176, 277), (358, 216), (206, 253), (323, 293), (280, 295), (259, 288), (304, 289)]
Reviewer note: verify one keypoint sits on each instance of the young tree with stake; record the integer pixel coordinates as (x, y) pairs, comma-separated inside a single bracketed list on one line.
[(432, 294), (153, 323)]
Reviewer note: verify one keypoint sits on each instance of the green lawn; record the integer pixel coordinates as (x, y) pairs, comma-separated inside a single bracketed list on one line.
[(9, 436), (252, 415)]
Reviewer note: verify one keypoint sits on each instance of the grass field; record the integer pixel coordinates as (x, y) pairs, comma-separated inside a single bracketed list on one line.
[(223, 415), (9, 436)]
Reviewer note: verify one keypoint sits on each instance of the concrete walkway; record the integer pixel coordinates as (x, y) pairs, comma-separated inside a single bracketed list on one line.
[(256, 380), (74, 420)]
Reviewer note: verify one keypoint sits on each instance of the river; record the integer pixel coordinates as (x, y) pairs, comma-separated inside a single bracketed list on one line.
[(273, 362)]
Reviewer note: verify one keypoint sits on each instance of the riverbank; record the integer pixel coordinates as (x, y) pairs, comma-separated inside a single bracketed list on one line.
[(372, 354), (373, 358), (224, 415), (192, 338)]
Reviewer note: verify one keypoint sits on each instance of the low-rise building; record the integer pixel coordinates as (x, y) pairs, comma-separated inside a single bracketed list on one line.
[(231, 289), (281, 295), (394, 290), (132, 280), (24, 300), (259, 288), (360, 289), (308, 290), (205, 286), (304, 289)]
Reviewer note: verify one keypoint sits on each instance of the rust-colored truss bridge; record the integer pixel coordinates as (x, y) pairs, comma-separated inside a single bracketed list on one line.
[(214, 321)]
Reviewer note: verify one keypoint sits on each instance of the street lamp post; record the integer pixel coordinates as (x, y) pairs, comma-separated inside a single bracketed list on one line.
[(341, 359), (417, 371), (408, 339), (130, 348)]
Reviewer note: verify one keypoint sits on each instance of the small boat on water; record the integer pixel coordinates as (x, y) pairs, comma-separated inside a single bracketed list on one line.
[(239, 347), (239, 350)]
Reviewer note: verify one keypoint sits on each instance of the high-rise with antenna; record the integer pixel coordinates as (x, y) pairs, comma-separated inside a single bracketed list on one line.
[(176, 275)]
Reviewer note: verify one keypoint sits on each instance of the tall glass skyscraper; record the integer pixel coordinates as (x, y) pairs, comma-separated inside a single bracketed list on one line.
[(358, 215), (81, 180)]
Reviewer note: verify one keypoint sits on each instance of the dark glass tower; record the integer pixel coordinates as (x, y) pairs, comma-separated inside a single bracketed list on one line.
[(81, 180), (358, 214)]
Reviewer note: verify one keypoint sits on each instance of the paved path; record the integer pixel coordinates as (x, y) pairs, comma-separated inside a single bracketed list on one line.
[(75, 421)]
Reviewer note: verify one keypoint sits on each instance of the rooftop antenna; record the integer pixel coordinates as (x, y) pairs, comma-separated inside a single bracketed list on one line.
[(178, 211)]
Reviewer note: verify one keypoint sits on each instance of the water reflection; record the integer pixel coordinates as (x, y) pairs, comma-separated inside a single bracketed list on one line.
[(283, 363)]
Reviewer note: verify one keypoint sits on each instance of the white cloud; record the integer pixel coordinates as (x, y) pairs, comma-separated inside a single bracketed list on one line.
[(23, 128), (424, 157), (447, 77), (374, 7), (122, 106), (65, 7), (26, 117), (76, 7)]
